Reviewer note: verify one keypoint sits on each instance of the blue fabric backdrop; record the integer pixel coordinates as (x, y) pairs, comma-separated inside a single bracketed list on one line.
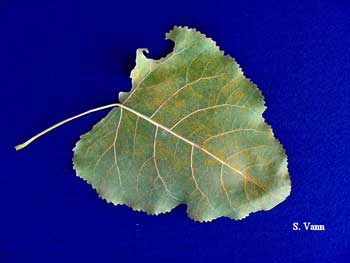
[(59, 58)]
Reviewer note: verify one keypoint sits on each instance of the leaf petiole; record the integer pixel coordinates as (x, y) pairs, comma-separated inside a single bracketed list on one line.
[(29, 141)]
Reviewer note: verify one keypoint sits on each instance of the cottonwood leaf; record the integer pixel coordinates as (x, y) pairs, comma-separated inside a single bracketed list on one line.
[(190, 132)]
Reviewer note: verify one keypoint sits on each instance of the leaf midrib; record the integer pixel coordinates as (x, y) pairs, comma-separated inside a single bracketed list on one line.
[(245, 177)]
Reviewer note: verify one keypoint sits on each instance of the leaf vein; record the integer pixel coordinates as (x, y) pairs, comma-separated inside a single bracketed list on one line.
[(232, 131), (195, 180), (205, 109), (156, 166), (114, 147)]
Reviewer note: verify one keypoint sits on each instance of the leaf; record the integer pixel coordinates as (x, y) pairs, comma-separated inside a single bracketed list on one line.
[(190, 132)]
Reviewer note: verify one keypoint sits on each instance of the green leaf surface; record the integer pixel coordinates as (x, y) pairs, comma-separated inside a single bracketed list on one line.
[(190, 132)]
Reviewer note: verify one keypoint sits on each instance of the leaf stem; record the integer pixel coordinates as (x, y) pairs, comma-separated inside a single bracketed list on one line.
[(29, 141)]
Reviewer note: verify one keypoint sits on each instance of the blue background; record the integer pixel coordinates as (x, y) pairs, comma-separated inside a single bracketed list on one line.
[(59, 58)]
